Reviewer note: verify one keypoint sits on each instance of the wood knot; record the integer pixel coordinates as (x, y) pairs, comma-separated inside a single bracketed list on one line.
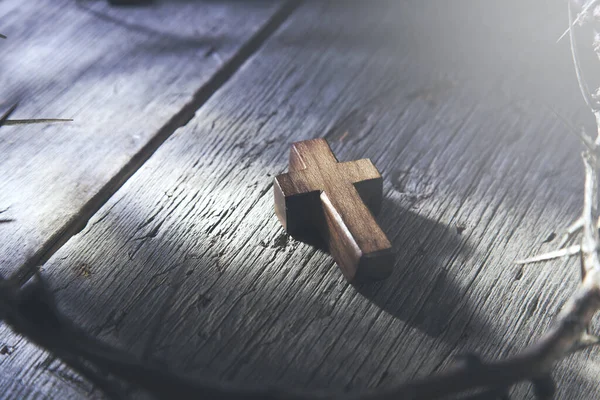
[(412, 184)]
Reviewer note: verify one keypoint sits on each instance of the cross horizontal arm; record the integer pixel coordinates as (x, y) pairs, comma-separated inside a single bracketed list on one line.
[(359, 170)]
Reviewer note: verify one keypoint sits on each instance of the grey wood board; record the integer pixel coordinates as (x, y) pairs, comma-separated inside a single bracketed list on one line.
[(187, 263), (122, 74)]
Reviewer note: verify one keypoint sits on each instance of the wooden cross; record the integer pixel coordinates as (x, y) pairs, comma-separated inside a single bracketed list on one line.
[(320, 195)]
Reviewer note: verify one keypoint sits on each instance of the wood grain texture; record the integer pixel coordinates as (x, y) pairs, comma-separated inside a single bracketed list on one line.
[(187, 263), (127, 76), (332, 201)]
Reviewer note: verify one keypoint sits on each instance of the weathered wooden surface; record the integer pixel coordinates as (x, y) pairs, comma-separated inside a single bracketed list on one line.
[(187, 263), (127, 76)]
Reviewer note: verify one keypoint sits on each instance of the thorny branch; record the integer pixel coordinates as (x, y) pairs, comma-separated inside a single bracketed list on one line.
[(31, 311)]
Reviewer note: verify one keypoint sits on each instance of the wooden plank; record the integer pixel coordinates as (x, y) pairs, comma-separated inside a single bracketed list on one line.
[(188, 264), (127, 76)]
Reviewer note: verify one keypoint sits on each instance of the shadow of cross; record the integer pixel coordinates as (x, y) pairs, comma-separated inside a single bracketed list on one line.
[(321, 196)]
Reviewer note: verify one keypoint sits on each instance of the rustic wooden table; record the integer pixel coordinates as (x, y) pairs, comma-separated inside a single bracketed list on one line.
[(151, 214)]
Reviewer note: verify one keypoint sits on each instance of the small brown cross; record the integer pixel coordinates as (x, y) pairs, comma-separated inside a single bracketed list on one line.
[(322, 195)]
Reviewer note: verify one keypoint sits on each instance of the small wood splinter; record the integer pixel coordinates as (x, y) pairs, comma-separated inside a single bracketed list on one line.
[(321, 196)]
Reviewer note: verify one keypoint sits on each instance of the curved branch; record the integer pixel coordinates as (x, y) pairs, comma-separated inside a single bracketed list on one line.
[(583, 87)]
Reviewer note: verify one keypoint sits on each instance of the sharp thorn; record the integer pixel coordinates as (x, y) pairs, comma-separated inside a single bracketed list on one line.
[(564, 252), (34, 121)]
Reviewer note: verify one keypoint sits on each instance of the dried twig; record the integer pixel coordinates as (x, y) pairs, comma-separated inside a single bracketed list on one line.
[(35, 121), (4, 121)]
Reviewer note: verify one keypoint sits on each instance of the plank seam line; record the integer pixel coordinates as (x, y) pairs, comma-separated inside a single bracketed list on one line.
[(180, 119)]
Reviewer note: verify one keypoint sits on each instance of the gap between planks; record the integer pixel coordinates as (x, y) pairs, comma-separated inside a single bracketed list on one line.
[(77, 223)]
